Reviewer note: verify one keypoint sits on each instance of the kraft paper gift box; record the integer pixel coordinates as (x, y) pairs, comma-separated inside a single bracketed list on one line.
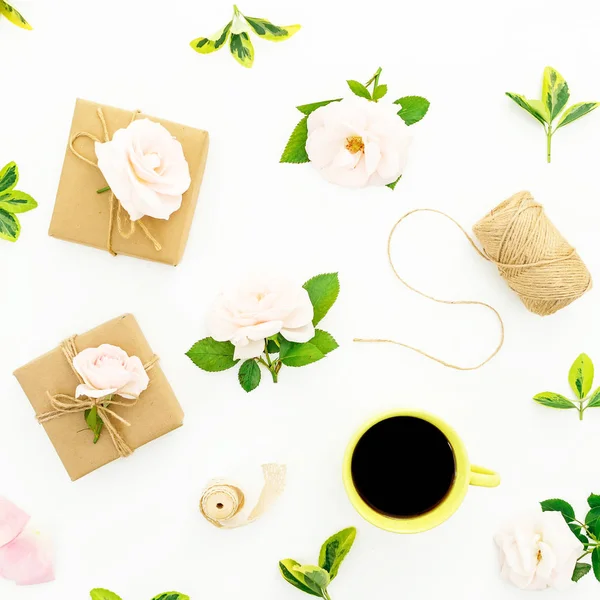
[(83, 216), (156, 412)]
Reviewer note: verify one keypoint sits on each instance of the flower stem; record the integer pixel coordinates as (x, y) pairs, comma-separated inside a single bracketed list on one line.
[(326, 595), (102, 190), (549, 148), (581, 409), (374, 79), (269, 363)]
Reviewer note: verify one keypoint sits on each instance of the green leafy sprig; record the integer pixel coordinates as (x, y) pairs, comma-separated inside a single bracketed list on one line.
[(13, 15), (210, 355), (12, 202), (587, 532), (412, 110), (102, 594), (312, 579), (237, 31), (555, 95), (581, 378)]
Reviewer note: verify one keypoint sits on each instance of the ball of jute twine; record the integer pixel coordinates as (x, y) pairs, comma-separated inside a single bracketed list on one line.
[(531, 255)]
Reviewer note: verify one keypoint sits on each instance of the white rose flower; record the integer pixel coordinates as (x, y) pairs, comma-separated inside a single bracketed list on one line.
[(538, 551), (357, 142), (146, 169), (262, 307)]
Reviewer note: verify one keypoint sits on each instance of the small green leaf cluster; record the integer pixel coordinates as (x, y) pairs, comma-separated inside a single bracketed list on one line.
[(12, 202), (210, 355), (102, 594), (412, 110), (555, 95), (237, 31), (13, 15), (587, 532), (581, 378), (313, 579)]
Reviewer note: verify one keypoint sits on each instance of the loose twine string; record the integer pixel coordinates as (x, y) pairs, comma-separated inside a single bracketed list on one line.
[(116, 209), (222, 502), (64, 404), (531, 256)]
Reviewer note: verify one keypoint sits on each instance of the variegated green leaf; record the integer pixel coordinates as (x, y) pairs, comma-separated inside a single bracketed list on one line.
[(295, 149), (287, 568), (555, 92), (242, 49), (17, 202), (414, 108), (594, 399), (212, 43), (315, 578), (310, 108), (553, 400), (581, 376), (171, 596), (10, 228), (576, 112), (533, 109), (335, 549), (274, 33), (13, 15), (9, 175), (102, 594)]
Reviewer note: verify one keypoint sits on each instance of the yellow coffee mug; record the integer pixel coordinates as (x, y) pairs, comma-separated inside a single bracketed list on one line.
[(465, 474)]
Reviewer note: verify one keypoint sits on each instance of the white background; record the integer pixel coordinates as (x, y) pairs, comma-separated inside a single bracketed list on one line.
[(134, 526)]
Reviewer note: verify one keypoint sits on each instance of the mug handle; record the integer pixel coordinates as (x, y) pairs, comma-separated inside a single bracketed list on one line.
[(484, 477)]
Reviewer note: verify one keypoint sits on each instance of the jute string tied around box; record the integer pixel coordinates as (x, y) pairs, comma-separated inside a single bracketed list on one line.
[(223, 502), (63, 404), (531, 255), (116, 209)]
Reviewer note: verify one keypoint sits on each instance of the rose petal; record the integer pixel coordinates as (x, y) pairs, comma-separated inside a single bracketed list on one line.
[(12, 521), (252, 349), (26, 560), (299, 334)]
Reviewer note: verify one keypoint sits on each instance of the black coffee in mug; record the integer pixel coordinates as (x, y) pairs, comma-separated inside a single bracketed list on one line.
[(403, 466)]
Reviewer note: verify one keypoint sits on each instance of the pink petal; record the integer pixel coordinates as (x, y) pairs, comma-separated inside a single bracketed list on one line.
[(26, 560), (12, 521)]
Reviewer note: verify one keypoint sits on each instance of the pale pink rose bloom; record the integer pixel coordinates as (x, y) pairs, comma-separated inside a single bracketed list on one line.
[(110, 370), (356, 142), (260, 308), (146, 169), (538, 551)]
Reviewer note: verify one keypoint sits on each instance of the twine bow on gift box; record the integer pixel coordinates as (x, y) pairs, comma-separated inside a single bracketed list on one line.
[(63, 404), (116, 209)]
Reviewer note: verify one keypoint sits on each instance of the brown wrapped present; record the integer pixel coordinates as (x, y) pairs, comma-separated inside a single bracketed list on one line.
[(84, 216), (50, 383)]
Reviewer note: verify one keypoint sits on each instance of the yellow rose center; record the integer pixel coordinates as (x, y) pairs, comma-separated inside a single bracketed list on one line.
[(354, 144)]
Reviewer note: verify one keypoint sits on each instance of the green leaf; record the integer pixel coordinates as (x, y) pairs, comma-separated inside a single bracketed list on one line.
[(249, 375), (414, 108), (553, 400), (555, 92), (10, 228), (533, 107), (393, 185), (359, 89), (335, 549), (293, 354), (596, 562), (274, 33), (379, 92), (576, 112), (13, 15), (563, 507), (581, 375), (581, 569), (592, 520), (287, 568), (323, 291), (17, 202), (9, 175), (210, 355), (309, 108), (242, 49), (214, 42), (594, 399), (101, 594), (593, 501), (323, 341), (94, 422), (171, 596), (295, 149), (314, 577)]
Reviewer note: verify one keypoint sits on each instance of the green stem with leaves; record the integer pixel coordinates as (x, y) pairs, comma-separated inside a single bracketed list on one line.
[(374, 80), (273, 366)]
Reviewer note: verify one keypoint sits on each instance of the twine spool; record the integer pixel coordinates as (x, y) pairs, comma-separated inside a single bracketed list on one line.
[(221, 502), (531, 255)]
